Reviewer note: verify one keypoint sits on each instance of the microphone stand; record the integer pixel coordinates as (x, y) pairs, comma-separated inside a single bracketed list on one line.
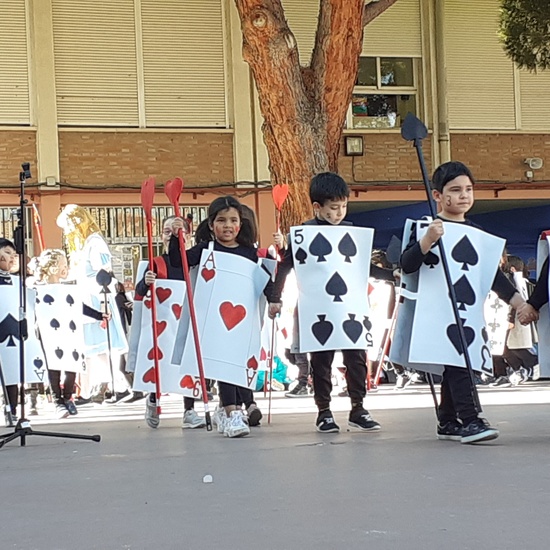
[(23, 426)]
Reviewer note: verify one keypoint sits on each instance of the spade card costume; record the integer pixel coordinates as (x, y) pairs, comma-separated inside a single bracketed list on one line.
[(431, 338), (35, 364), (539, 300)]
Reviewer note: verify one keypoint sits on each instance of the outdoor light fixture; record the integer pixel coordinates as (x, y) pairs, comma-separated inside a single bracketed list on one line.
[(354, 146)]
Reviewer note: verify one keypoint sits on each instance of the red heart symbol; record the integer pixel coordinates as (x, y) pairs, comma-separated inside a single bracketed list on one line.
[(187, 382), (284, 332), (232, 315), (176, 310), (263, 355), (252, 363), (279, 193), (161, 327), (147, 303), (208, 274), (151, 354), (163, 294), (149, 376)]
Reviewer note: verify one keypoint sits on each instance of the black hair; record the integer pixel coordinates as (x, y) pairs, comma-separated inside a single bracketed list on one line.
[(6, 243), (246, 233), (250, 215), (327, 186), (203, 233), (449, 171), (516, 262)]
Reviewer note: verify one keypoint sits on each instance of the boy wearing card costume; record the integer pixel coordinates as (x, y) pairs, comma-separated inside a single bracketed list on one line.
[(329, 196), (452, 189), (7, 261)]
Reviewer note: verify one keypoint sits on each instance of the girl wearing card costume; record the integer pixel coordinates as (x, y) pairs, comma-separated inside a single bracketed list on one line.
[(51, 269), (165, 270), (329, 196), (233, 234), (89, 254), (452, 188)]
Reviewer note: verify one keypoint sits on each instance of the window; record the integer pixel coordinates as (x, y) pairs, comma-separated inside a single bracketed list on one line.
[(385, 91)]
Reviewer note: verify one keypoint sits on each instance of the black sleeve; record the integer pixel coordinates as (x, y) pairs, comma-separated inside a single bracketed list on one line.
[(91, 312), (142, 288), (193, 254), (503, 287), (539, 297), (412, 257), (283, 269)]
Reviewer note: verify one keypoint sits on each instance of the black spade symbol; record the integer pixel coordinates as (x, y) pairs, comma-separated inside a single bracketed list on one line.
[(322, 329), (347, 247), (59, 353), (76, 355), (69, 299), (320, 247), (38, 363), (54, 323), (367, 324), (352, 328), (72, 326), (48, 299), (301, 255)]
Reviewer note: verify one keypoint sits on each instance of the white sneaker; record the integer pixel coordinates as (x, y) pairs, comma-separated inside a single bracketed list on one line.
[(219, 418), (151, 415), (536, 372), (235, 425), (192, 420), (515, 378)]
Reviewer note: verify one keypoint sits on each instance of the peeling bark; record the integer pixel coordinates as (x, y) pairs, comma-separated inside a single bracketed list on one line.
[(304, 108)]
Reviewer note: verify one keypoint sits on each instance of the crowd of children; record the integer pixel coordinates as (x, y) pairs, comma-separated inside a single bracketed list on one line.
[(230, 228)]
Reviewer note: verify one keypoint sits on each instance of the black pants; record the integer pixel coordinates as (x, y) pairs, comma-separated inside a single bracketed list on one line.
[(456, 396), (229, 394), (355, 362), (302, 362), (521, 357), (68, 384), (13, 395)]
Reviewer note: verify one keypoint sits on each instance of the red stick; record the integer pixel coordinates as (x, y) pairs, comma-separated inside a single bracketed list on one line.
[(147, 197), (172, 189)]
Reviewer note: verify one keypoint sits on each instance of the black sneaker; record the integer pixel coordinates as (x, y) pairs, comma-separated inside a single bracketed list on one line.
[(80, 401), (325, 423), (478, 430), (298, 391), (70, 406), (450, 431), (136, 396), (501, 382), (360, 418)]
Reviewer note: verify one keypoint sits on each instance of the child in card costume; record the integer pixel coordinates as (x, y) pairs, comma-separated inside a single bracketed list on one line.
[(473, 265), (332, 264), (538, 305), (59, 311), (89, 253), (10, 340), (165, 270), (230, 281)]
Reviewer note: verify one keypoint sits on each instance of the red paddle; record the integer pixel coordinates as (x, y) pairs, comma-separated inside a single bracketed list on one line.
[(172, 190), (147, 197)]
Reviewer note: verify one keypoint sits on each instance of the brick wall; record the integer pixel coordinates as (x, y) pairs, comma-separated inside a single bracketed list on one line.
[(387, 158), (104, 159), (500, 157), (16, 147)]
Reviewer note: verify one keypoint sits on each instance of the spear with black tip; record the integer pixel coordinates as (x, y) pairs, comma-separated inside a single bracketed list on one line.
[(414, 130)]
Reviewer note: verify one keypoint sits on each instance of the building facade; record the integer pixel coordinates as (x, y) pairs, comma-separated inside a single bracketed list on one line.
[(98, 95)]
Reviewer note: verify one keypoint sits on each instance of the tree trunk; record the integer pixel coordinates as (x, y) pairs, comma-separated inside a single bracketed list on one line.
[(304, 108)]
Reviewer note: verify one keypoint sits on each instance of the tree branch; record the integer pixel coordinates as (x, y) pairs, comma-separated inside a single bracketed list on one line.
[(374, 9)]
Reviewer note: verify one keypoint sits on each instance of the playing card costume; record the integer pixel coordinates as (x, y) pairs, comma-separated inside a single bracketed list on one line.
[(539, 300), (230, 281), (426, 336), (332, 264), (35, 364)]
